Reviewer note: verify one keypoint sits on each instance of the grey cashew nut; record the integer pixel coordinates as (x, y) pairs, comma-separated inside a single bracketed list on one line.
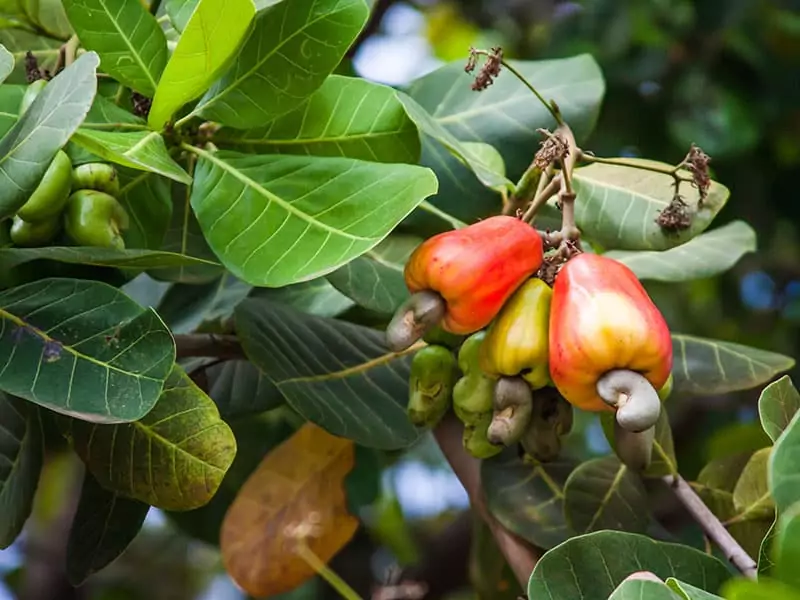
[(513, 406), (636, 400), (420, 313), (634, 448)]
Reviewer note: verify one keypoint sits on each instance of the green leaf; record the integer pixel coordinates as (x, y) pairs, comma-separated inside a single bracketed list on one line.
[(105, 524), (765, 563), (128, 39), (706, 255), (173, 458), (82, 348), (617, 206), (207, 43), (689, 592), (784, 478), (528, 499), (49, 15), (777, 405), (240, 389), (146, 197), (185, 307), (21, 450), (786, 548), (723, 473), (10, 100), (180, 11), (602, 493), (142, 150), (638, 589), (591, 566), (105, 115), (346, 116), (6, 63), (474, 155), (316, 297), (375, 279), (338, 375), (708, 367), (751, 495), (763, 589), (293, 47), (663, 461), (100, 257), (28, 148), (276, 220), (489, 572)]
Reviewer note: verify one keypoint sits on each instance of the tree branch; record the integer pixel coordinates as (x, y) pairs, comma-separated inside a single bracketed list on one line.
[(208, 344), (712, 526), (520, 555)]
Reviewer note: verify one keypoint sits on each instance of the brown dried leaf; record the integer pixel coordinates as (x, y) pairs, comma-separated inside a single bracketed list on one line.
[(297, 491)]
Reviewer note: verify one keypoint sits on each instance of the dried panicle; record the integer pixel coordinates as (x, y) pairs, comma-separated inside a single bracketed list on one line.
[(675, 217), (551, 149), (141, 104), (490, 69), (32, 72), (697, 162)]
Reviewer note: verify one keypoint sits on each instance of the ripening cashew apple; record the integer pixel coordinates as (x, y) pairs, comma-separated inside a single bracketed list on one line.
[(460, 279), (610, 347)]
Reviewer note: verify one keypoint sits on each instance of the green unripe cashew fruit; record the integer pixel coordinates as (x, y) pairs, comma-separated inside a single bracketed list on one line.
[(473, 393), (96, 219), (31, 235), (96, 176), (433, 374), (31, 92), (475, 439), (50, 196)]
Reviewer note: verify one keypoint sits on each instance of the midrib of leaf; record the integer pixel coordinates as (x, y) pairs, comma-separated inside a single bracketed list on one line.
[(611, 490), (624, 190), (148, 432), (128, 44), (236, 82), (269, 195), (558, 492), (7, 316), (356, 370), (107, 126), (750, 360), (318, 140)]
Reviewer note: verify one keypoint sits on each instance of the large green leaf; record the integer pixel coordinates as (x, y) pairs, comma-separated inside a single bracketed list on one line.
[(528, 499), (20, 463), (49, 15), (128, 39), (185, 307), (751, 496), (316, 297), (101, 257), (784, 477), (6, 63), (639, 589), (106, 115), (292, 48), (338, 375), (180, 11), (142, 150), (207, 43), (706, 255), (602, 493), (766, 563), (82, 348), (28, 148), (375, 279), (173, 458), (346, 116), (147, 200), (240, 389), (787, 547), (591, 566), (777, 405), (105, 523), (710, 367), (617, 206), (276, 220), (10, 100)]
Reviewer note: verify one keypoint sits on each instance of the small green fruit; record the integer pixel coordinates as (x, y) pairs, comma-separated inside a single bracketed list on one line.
[(95, 218), (50, 196), (31, 92), (31, 235), (96, 176)]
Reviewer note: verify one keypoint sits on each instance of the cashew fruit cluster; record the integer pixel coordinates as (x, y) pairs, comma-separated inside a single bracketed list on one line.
[(81, 200), (512, 356)]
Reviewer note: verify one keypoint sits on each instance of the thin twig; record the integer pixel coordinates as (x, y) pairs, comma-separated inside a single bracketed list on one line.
[(208, 344), (621, 162), (712, 526), (520, 555), (542, 196)]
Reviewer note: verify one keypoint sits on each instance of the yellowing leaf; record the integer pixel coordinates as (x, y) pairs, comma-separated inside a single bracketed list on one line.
[(299, 486)]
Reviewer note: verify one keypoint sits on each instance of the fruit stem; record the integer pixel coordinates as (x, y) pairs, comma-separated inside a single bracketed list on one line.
[(547, 189), (635, 399), (621, 162), (634, 448)]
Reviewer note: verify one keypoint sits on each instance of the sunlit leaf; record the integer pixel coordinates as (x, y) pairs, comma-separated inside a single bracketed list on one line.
[(338, 375), (689, 592), (207, 43), (274, 505), (82, 348), (346, 116), (276, 220), (602, 493), (751, 496), (708, 367), (706, 255), (173, 458), (591, 566), (292, 47), (777, 405), (28, 148), (763, 589), (528, 499), (128, 39)]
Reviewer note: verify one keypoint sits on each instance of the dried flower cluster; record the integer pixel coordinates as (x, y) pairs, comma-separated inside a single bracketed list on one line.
[(489, 71), (552, 148), (697, 162), (141, 104)]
